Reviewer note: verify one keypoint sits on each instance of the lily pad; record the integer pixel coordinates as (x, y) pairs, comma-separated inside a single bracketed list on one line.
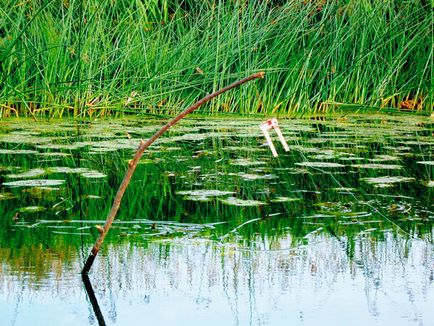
[(6, 196), (246, 162), (384, 158), (31, 209), (429, 183), (351, 158), (29, 174), (203, 194), (93, 175), (251, 176), (102, 150), (323, 157), (41, 192), (16, 151), (92, 197), (35, 183), (320, 164), (344, 189), (426, 162), (245, 149), (387, 180), (377, 166), (65, 169), (284, 199), (54, 154), (61, 146), (241, 202)]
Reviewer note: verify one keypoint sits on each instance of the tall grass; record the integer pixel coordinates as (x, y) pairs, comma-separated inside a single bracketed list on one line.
[(87, 58)]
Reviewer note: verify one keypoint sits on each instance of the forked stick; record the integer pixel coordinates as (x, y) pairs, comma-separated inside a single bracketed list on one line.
[(133, 164)]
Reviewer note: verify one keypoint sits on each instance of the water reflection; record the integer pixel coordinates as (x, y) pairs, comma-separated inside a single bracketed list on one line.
[(93, 300), (195, 281), (214, 230)]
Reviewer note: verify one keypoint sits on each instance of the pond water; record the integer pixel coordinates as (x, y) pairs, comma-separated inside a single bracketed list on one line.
[(213, 229)]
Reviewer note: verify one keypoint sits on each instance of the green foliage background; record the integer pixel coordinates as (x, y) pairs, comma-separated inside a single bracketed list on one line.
[(58, 55)]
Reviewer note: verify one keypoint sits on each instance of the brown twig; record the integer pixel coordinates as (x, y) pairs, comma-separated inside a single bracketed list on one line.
[(133, 164)]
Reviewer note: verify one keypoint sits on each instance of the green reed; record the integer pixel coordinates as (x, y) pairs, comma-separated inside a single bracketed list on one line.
[(87, 58)]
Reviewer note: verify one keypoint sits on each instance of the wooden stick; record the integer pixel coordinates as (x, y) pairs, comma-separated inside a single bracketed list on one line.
[(132, 164)]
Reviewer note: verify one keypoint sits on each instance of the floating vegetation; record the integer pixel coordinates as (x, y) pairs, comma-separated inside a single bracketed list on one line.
[(241, 202), (298, 171), (73, 146), (31, 209), (387, 181), (426, 142), (284, 214), (84, 172), (320, 164), (384, 158), (203, 194), (350, 158), (113, 144), (304, 149), (344, 190), (6, 195), (234, 162), (53, 154), (194, 169), (35, 183), (92, 197), (245, 162), (251, 176), (247, 149), (93, 175), (428, 183), (426, 162), (102, 150), (172, 149), (377, 166), (146, 161), (185, 137), (41, 192), (24, 139), (65, 169), (17, 152), (284, 199), (402, 208), (323, 156), (28, 174), (398, 149), (317, 141)]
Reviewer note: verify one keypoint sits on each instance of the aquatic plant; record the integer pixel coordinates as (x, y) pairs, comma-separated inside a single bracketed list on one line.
[(99, 58)]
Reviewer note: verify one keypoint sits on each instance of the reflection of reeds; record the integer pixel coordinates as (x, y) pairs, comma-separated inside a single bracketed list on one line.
[(309, 228), (336, 54), (194, 273), (284, 200)]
